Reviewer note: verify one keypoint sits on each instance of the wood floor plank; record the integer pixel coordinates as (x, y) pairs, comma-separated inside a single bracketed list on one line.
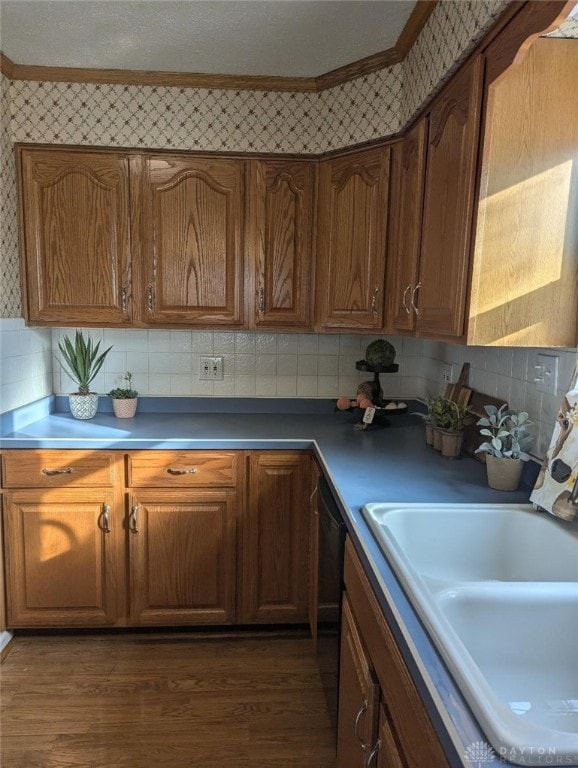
[(142, 701)]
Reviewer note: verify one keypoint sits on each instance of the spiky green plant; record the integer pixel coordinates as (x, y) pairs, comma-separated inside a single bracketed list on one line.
[(81, 360)]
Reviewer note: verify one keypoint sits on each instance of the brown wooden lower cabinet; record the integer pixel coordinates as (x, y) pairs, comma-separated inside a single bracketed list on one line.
[(382, 719), (358, 697), (176, 539), (276, 538), (63, 550), (183, 557)]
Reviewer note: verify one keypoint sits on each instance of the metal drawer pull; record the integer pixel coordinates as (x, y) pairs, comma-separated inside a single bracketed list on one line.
[(133, 519), (173, 471), (313, 492), (407, 309), (106, 518), (261, 300), (64, 471), (123, 296), (374, 301), (413, 296), (362, 709), (150, 297), (373, 754)]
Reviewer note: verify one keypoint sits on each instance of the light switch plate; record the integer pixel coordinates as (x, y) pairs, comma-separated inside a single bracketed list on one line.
[(546, 377)]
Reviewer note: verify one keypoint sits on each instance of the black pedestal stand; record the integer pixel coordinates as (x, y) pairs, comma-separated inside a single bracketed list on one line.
[(375, 385)]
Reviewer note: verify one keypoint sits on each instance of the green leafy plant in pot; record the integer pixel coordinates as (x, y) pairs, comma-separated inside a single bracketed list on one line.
[(507, 447), (432, 420), (124, 399), (455, 418), (437, 417), (82, 361)]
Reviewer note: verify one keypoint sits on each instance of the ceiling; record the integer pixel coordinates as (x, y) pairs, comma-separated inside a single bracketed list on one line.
[(287, 38)]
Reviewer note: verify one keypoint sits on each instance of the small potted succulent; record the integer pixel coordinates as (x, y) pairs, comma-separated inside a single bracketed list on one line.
[(82, 360), (507, 446), (433, 420), (124, 399), (455, 418)]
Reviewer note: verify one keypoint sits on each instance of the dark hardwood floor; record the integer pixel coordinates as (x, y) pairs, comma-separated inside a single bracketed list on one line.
[(144, 701)]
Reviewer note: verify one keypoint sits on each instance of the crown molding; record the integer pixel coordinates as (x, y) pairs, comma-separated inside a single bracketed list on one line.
[(366, 66), (6, 66)]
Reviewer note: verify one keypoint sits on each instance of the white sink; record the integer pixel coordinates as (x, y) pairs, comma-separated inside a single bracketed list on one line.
[(497, 588)]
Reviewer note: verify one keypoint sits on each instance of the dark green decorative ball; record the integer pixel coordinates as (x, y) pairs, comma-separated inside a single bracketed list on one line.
[(380, 352)]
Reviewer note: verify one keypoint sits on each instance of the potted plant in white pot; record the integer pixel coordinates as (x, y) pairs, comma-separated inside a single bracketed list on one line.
[(82, 360), (124, 399), (506, 450)]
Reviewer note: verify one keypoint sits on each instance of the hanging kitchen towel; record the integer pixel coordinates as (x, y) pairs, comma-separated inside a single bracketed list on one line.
[(559, 471)]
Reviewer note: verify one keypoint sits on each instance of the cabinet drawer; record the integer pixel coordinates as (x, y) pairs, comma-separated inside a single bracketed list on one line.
[(57, 469), (171, 469)]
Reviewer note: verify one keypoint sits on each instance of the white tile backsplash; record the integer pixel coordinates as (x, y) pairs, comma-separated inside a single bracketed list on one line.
[(165, 363), (25, 364), (505, 373)]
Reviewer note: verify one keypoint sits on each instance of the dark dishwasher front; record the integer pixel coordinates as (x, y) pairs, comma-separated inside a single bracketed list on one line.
[(330, 589)]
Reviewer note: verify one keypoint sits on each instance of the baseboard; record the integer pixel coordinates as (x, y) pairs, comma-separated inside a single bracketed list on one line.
[(5, 641)]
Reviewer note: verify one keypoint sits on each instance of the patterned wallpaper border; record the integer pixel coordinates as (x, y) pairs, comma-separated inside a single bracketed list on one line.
[(369, 107)]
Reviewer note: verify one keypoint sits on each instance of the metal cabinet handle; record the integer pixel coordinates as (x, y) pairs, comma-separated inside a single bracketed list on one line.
[(133, 519), (106, 518), (413, 297), (123, 297), (313, 494), (65, 471), (362, 709), (403, 300), (374, 301), (261, 300), (150, 297), (173, 471), (373, 754)]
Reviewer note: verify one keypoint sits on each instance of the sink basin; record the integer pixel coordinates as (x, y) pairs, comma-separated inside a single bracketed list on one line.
[(496, 586)]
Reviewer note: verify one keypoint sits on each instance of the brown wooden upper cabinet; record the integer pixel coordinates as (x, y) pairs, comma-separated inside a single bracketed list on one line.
[(280, 240), (406, 191), (75, 237), (192, 246), (525, 261), (452, 147), (351, 241)]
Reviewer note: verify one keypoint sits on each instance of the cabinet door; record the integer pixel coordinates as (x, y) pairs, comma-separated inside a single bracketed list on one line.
[(352, 218), (192, 231), (386, 753), (525, 271), (314, 551), (449, 192), (62, 554), (182, 550), (281, 216), (276, 539), (406, 208), (358, 697), (75, 235)]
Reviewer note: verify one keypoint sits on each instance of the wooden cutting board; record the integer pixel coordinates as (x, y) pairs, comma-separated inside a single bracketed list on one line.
[(459, 392)]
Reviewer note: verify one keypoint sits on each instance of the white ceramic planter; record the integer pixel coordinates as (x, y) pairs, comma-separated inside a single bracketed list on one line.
[(83, 406), (124, 408)]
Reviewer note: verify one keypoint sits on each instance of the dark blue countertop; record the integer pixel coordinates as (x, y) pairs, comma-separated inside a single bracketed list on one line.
[(389, 464)]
